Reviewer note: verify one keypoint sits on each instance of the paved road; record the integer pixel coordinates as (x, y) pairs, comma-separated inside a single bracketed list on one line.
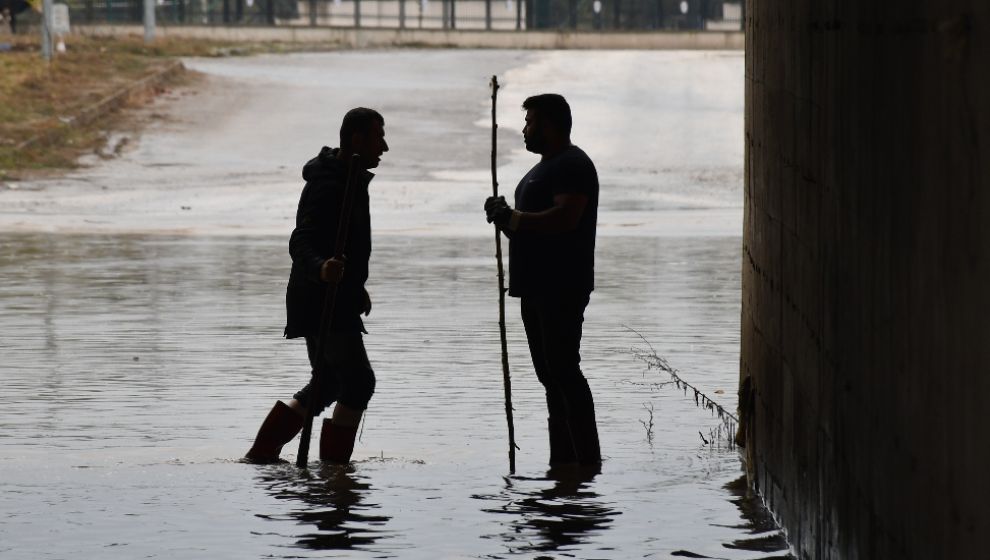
[(665, 129)]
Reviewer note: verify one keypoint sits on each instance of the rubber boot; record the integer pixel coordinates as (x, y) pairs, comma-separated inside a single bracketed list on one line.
[(336, 442), (561, 445), (280, 426), (584, 433)]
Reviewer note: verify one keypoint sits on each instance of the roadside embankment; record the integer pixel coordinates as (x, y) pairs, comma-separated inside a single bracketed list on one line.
[(52, 113)]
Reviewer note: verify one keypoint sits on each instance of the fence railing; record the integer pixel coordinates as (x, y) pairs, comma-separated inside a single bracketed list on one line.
[(577, 15)]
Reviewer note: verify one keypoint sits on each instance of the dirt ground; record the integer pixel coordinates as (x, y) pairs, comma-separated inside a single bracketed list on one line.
[(39, 98)]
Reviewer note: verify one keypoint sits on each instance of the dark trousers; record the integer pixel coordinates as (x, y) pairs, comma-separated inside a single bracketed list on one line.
[(553, 329), (347, 376)]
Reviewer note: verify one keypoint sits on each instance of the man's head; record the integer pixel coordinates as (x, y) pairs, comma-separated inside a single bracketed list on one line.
[(548, 123), (363, 132)]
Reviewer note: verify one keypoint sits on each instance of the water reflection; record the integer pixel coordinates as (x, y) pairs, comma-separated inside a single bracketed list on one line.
[(334, 499), (759, 522), (553, 514), (765, 534), (132, 344)]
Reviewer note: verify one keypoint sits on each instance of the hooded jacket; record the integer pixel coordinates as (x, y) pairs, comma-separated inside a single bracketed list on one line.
[(313, 241)]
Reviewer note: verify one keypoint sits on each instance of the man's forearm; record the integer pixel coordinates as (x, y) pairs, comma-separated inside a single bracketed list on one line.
[(552, 221)]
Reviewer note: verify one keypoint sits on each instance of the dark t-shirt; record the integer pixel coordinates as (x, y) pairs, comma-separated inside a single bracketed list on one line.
[(546, 264)]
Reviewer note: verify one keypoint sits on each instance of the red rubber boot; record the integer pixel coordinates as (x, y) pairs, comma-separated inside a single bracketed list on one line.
[(280, 426), (336, 442)]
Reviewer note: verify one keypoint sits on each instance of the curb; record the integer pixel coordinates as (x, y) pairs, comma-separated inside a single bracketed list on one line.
[(391, 37), (105, 106)]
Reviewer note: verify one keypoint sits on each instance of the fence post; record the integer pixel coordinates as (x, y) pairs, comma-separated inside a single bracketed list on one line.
[(519, 5), (402, 14), (46, 29), (312, 13), (357, 14), (149, 21), (488, 14), (453, 14)]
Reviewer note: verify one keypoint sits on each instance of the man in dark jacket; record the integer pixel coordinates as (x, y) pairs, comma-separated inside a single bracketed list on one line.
[(347, 377), (551, 235)]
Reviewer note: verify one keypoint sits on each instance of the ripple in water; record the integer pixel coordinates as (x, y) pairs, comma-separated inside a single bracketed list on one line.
[(136, 369)]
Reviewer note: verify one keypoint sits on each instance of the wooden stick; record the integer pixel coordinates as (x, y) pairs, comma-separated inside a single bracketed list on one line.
[(506, 380), (326, 318)]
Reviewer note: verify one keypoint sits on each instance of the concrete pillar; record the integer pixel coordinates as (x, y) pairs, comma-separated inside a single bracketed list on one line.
[(866, 274), (47, 41), (149, 20)]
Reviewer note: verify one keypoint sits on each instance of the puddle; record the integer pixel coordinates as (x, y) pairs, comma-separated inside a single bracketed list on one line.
[(136, 370)]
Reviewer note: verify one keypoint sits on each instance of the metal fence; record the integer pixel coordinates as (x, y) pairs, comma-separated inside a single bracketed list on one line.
[(578, 15)]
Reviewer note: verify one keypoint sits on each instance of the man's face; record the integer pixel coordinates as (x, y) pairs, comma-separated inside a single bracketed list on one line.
[(534, 133), (371, 145)]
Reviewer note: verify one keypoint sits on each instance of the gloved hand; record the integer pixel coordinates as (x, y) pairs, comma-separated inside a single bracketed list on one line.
[(492, 202), (497, 211), (332, 271)]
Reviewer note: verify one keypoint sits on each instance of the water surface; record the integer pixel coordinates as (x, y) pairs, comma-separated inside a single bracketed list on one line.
[(141, 310)]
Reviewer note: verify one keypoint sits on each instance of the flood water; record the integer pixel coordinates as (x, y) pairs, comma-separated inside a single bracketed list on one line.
[(142, 308)]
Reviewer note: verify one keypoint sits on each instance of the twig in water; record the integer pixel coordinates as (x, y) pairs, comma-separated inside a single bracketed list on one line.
[(648, 423), (655, 361), (653, 387)]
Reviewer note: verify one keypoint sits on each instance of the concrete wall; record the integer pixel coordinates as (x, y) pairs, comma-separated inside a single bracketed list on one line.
[(386, 38), (866, 274)]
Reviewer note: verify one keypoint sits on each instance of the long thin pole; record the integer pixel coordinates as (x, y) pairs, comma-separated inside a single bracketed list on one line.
[(506, 380), (302, 459)]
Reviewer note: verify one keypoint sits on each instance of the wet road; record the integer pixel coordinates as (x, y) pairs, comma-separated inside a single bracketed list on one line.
[(141, 341)]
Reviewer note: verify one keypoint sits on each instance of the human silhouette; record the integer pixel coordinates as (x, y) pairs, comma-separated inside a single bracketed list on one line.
[(551, 235), (348, 378)]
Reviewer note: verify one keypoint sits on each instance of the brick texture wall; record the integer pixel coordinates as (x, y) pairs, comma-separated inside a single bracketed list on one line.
[(866, 274)]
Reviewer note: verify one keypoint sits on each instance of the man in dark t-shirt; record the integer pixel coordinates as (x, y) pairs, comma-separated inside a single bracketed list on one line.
[(551, 235)]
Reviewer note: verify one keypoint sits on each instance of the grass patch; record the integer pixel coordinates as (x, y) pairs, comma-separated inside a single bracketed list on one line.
[(38, 97)]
